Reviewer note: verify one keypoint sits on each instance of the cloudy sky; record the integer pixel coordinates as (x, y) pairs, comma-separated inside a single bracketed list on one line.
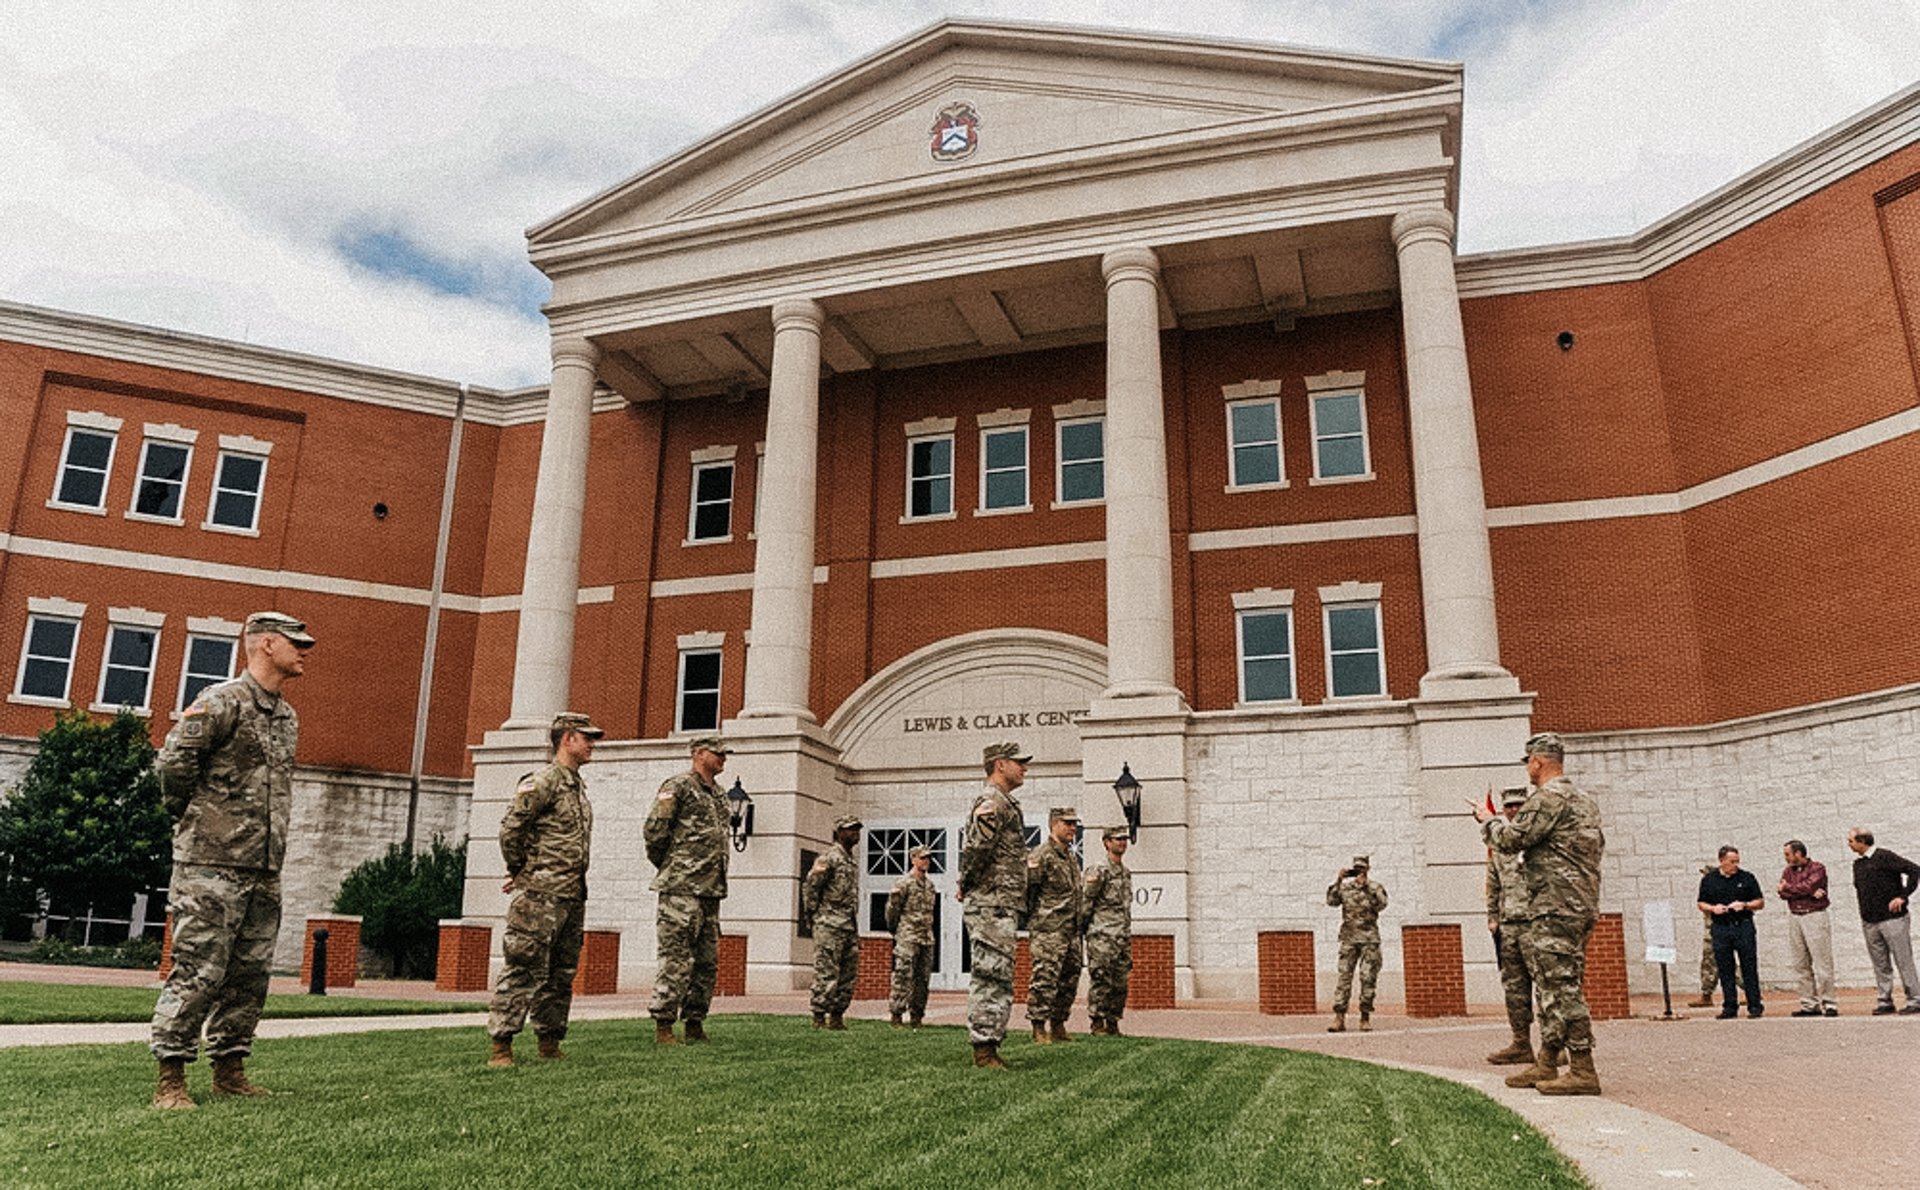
[(354, 179)]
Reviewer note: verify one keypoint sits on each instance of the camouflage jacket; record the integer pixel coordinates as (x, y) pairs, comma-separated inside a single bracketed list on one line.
[(830, 895), (547, 834), (993, 852), (910, 910), (1360, 906), (1558, 838), (226, 776), (1506, 891), (1109, 900), (1053, 890), (686, 835)]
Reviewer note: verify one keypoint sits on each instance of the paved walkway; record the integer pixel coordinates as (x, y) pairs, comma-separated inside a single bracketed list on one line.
[(1699, 1102)]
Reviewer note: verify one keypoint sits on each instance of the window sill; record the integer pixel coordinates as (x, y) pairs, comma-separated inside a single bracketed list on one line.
[(1059, 504), (910, 519), (101, 708), (1003, 511), (1264, 704), (1344, 699), (691, 541), (1322, 481), (35, 700), (88, 509), (148, 518), (234, 530), (1276, 486)]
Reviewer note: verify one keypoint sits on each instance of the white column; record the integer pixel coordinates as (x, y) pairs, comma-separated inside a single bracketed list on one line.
[(550, 591), (780, 659), (1139, 540), (1456, 565)]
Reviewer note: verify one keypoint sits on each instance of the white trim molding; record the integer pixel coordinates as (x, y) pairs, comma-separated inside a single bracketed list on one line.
[(1351, 592), (169, 432), (138, 617), (1250, 388), (1265, 535), (213, 626), (1003, 417), (930, 427), (1262, 599), (700, 640), (1336, 381), (245, 444), (53, 605), (1034, 555), (92, 419), (1079, 409), (715, 454)]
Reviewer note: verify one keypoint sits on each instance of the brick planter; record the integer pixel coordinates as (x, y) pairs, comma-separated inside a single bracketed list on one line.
[(731, 980), (166, 950), (1022, 969), (343, 949), (465, 947), (1436, 972), (875, 981), (1151, 985), (599, 970), (1286, 973), (1606, 986)]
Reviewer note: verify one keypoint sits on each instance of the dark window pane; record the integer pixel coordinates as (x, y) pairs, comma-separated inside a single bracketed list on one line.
[(713, 483), (711, 520), (1337, 415), (44, 679), (933, 456), (1081, 440), (1256, 464), (1264, 635), (1352, 628), (699, 712), (932, 497), (233, 510), (124, 688), (52, 638), (1007, 490), (208, 656), (1082, 481), (90, 450), (1356, 674), (1253, 422), (1006, 450), (703, 671), (130, 646), (1269, 680), (194, 684), (1344, 456), (166, 462), (157, 499), (85, 488), (241, 473)]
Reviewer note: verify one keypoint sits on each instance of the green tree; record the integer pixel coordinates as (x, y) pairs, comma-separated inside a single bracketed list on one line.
[(402, 898), (85, 826)]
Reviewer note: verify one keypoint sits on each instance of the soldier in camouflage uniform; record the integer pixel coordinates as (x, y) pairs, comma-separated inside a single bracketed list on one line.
[(226, 776), (910, 909), (546, 839), (1054, 921), (830, 897), (993, 888), (1360, 900), (1507, 916), (1557, 834), (1709, 968), (686, 836), (1109, 913)]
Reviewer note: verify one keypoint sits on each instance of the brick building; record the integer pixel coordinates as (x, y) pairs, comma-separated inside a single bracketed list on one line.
[(1118, 394)]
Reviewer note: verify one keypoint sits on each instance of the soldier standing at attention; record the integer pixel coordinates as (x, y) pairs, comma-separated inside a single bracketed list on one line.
[(1507, 918), (546, 839), (1109, 908), (1054, 921), (226, 776), (830, 896), (686, 836), (993, 887), (1558, 830), (1360, 901), (910, 908)]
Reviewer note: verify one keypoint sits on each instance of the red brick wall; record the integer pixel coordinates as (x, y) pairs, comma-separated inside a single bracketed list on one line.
[(731, 980), (1287, 973), (1436, 974), (1606, 984), (461, 965), (1022, 969), (599, 970), (1151, 984), (343, 950), (166, 950), (875, 981)]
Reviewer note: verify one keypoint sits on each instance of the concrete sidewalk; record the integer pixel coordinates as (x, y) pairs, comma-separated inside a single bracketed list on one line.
[(1696, 1101)]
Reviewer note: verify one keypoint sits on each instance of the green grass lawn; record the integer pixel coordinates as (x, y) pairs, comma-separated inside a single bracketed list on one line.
[(768, 1102), (52, 1003)]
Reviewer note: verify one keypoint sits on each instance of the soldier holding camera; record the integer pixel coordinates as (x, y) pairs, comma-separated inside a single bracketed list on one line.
[(1360, 901)]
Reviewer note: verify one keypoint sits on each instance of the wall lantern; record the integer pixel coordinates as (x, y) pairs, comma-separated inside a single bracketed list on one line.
[(739, 815), (1127, 788)]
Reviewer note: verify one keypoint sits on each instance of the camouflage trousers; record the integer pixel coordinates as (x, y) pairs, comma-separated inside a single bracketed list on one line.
[(1363, 953), (1109, 968), (542, 952), (836, 968), (688, 932), (1056, 975), (225, 921), (990, 994), (1515, 983), (1555, 949), (1709, 969), (912, 969)]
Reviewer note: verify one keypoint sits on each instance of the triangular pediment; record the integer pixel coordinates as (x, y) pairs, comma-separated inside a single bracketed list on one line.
[(1037, 97)]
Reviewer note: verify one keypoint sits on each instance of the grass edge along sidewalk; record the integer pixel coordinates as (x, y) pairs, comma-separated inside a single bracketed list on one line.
[(23, 1003), (768, 1101)]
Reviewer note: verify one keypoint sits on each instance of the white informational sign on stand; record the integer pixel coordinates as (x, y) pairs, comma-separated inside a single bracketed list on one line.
[(1656, 923)]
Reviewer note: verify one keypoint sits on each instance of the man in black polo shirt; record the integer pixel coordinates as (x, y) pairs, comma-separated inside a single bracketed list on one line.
[(1731, 895)]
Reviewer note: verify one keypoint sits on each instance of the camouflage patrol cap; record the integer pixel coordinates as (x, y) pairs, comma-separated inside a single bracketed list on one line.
[(1546, 743), (1062, 814), (1513, 796), (1115, 832), (921, 852), (709, 743), (280, 622), (575, 721), (1006, 751), (846, 822), (1362, 863)]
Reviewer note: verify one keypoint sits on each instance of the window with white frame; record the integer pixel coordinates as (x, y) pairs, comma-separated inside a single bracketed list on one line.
[(1254, 455), (239, 477), (1356, 654), (160, 491), (697, 702), (1263, 622), (126, 670), (46, 655), (1337, 406), (209, 660), (1080, 445), (930, 476), (1003, 468), (711, 516), (86, 461)]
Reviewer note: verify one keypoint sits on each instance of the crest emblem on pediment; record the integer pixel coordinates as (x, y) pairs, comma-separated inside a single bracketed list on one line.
[(956, 133)]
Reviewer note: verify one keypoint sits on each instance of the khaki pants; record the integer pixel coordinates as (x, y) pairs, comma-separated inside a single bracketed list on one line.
[(1810, 950)]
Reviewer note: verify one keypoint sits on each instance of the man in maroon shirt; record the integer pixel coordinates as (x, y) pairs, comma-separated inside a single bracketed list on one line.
[(1809, 930)]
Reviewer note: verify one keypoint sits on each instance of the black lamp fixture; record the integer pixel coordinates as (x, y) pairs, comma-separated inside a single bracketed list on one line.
[(739, 815), (1127, 788)]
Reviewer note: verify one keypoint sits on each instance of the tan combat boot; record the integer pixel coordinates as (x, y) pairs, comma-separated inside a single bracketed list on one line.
[(663, 1033), (1113, 1026), (1546, 1065), (501, 1053), (696, 1031), (986, 1054), (550, 1048), (836, 1023), (913, 1022), (819, 1020), (1701, 1001), (1339, 1024), (1580, 1078), (1097, 1027), (230, 1077), (896, 1022), (171, 1094), (1040, 1034), (1060, 1031), (1519, 1050), (1366, 1021)]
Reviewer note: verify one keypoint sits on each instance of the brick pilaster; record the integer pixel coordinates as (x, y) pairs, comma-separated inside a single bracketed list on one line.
[(465, 948), (875, 981), (1151, 984), (343, 949), (1286, 973), (1606, 986), (599, 970), (732, 977), (166, 949), (1022, 969), (1436, 972)]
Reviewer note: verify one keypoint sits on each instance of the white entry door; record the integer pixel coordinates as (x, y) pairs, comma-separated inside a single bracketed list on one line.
[(885, 846)]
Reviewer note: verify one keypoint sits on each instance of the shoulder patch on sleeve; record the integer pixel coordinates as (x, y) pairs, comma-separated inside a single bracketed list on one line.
[(1034, 863), (527, 783), (665, 795), (985, 809)]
